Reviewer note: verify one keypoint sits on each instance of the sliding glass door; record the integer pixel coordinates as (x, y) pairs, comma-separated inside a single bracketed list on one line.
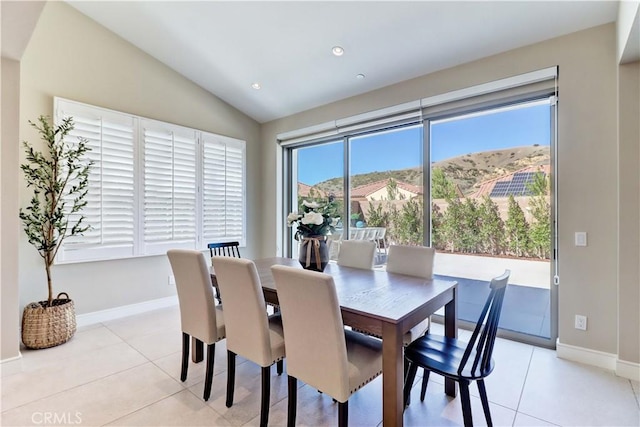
[(491, 198), (486, 178)]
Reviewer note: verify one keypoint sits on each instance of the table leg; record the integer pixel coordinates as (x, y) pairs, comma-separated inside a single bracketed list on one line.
[(451, 330), (392, 376)]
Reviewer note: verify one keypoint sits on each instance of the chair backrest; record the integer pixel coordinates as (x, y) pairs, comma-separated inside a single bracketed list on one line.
[(477, 356), (313, 329), (414, 261), (245, 315), (195, 294), (224, 249), (357, 254)]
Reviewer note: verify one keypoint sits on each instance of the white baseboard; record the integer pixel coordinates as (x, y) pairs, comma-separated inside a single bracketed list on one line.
[(599, 359), (11, 366), (124, 311), (628, 370)]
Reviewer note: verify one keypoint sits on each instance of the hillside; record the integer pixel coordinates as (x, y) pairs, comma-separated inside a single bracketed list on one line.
[(466, 170)]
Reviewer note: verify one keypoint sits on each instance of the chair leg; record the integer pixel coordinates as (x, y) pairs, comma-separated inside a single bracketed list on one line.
[(231, 377), (343, 414), (293, 400), (266, 396), (185, 356), (208, 377), (425, 382), (485, 402), (280, 367), (466, 403), (408, 381), (407, 401), (198, 350)]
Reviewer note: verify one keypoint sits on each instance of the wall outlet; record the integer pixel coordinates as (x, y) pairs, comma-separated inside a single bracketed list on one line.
[(581, 322), (172, 280)]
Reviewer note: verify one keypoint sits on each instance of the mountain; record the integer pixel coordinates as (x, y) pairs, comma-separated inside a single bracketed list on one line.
[(466, 171)]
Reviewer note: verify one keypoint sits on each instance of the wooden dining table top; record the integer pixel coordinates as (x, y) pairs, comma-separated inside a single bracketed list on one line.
[(388, 296)]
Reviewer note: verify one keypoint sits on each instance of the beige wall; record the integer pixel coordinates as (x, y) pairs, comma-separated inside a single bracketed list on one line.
[(587, 142), (629, 207), (9, 228), (72, 57)]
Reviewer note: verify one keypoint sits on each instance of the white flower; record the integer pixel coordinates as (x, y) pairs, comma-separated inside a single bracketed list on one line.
[(312, 218), (334, 221), (311, 205), (292, 217)]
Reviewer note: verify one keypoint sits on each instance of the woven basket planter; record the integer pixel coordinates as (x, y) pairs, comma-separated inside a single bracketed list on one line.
[(44, 326)]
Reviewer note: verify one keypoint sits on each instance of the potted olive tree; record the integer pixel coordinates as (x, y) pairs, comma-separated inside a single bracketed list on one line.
[(58, 177)]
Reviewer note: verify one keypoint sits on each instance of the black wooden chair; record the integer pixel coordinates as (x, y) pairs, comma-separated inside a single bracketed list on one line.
[(225, 249), (231, 249), (460, 361)]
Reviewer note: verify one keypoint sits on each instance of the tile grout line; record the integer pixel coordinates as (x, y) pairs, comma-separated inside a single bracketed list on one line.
[(533, 349), (633, 391), (524, 383)]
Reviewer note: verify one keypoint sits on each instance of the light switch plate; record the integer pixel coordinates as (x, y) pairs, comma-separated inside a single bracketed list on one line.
[(581, 238)]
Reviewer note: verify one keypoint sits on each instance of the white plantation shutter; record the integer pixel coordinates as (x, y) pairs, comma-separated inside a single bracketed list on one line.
[(110, 198), (153, 186), (170, 187), (223, 170)]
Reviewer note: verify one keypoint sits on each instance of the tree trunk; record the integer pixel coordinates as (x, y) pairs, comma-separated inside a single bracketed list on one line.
[(47, 264)]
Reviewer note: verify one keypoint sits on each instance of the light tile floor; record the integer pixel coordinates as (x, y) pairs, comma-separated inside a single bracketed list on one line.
[(126, 373)]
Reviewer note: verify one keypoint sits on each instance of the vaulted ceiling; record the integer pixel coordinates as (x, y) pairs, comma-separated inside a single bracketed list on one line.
[(286, 47)]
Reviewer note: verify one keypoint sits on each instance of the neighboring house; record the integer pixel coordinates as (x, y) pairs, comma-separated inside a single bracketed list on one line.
[(378, 191)]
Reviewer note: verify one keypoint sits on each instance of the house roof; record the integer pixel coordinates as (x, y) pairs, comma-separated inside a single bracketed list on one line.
[(365, 190)]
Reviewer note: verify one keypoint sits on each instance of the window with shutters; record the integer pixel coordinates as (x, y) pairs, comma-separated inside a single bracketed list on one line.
[(223, 169), (154, 186)]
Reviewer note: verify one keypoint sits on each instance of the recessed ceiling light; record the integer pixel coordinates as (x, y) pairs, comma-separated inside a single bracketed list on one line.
[(359, 76), (337, 50), (256, 86)]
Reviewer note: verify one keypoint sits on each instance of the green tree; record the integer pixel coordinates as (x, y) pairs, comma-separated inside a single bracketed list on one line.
[(517, 229), (441, 186), (392, 190), (491, 227), (540, 230), (469, 227), (377, 216), (540, 184), (437, 231), (452, 221), (409, 228), (59, 180)]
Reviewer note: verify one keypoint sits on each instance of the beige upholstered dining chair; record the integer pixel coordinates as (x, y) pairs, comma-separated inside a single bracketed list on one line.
[(416, 261), (320, 351), (200, 318), (250, 332), (357, 254)]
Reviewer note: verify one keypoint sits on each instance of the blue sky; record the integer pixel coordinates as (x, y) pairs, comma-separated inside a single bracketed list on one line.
[(402, 149)]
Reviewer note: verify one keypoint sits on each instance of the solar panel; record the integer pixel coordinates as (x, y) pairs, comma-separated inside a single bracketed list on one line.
[(520, 185), (500, 189)]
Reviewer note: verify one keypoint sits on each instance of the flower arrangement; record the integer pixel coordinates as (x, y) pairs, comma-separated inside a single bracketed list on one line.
[(315, 220)]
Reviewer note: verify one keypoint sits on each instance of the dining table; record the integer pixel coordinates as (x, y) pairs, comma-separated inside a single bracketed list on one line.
[(386, 305)]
